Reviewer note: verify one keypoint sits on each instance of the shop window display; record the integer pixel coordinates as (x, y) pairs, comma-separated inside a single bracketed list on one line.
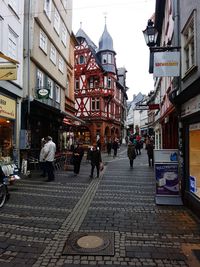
[(6, 140), (194, 159)]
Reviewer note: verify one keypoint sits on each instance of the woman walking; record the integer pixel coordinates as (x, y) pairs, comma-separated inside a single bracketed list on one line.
[(131, 153)]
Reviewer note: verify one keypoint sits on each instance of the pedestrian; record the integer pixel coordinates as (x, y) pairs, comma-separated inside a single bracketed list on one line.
[(41, 158), (99, 144), (131, 153), (138, 144), (95, 160), (115, 147), (109, 147), (49, 156), (77, 158), (126, 140), (150, 148)]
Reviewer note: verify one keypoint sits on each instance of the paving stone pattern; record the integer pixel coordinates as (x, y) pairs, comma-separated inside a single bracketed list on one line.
[(39, 217)]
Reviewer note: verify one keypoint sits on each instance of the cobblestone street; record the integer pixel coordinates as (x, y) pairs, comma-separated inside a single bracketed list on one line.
[(39, 217)]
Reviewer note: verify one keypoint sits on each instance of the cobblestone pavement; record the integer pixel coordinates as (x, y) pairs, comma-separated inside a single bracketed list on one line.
[(39, 217)]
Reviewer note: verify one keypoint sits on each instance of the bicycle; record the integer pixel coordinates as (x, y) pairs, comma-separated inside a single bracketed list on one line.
[(4, 194)]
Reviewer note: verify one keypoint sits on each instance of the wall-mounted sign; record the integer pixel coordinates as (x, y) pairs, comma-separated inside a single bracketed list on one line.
[(8, 72), (166, 64), (43, 93), (7, 107)]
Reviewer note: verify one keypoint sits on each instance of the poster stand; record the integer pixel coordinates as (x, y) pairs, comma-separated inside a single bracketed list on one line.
[(167, 177)]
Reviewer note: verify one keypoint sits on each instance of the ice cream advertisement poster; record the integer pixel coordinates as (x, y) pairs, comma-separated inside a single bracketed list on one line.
[(167, 180)]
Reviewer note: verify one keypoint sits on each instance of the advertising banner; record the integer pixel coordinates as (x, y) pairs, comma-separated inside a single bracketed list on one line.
[(167, 180), (167, 177), (166, 64)]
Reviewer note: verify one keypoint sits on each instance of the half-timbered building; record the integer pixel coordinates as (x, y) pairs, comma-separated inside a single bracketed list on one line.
[(99, 94)]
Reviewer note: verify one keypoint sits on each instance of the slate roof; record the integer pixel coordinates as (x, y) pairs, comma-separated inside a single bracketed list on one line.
[(82, 34), (106, 41)]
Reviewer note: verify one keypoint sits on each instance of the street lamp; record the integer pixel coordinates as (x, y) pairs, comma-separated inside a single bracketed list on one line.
[(150, 34)]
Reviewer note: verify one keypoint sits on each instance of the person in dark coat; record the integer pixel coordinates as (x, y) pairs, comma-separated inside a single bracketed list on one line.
[(150, 148), (131, 153), (109, 147), (95, 160), (115, 147), (77, 158)]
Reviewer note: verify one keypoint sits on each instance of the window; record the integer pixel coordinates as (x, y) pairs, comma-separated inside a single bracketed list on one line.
[(61, 64), (104, 59), (50, 87), (43, 41), (12, 44), (40, 79), (64, 34), (53, 54), (189, 44), (82, 60), (76, 84), (109, 58), (95, 104), (109, 82), (47, 8), (91, 82), (1, 33), (57, 21), (57, 94), (194, 159)]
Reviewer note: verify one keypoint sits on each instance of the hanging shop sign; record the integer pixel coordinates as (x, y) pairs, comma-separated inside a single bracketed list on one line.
[(43, 93), (154, 106), (7, 107), (166, 64)]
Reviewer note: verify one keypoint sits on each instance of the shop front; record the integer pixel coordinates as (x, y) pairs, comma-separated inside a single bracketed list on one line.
[(7, 130), (191, 136)]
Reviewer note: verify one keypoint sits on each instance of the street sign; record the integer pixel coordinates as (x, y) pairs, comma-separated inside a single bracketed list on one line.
[(141, 107)]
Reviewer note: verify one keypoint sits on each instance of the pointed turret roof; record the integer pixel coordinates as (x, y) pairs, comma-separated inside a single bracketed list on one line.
[(82, 34), (106, 41)]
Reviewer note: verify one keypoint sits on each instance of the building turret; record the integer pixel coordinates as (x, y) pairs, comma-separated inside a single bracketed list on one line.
[(106, 53)]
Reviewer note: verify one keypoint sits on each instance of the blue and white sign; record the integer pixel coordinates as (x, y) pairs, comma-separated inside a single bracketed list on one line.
[(166, 155), (193, 185)]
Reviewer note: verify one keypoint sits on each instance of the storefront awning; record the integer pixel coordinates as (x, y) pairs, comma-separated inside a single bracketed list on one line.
[(76, 120)]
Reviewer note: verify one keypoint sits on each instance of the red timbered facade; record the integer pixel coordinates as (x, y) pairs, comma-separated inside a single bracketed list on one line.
[(99, 95)]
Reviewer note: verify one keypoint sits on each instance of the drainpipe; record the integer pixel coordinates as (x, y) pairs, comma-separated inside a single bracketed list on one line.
[(28, 66)]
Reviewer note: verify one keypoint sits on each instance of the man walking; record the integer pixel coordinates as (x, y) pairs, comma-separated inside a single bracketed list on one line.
[(49, 155), (95, 160), (131, 153)]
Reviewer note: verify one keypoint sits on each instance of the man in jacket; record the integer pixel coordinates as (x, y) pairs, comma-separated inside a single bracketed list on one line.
[(95, 155), (49, 155)]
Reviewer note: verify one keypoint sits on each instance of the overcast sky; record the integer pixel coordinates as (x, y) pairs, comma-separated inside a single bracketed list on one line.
[(125, 21)]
